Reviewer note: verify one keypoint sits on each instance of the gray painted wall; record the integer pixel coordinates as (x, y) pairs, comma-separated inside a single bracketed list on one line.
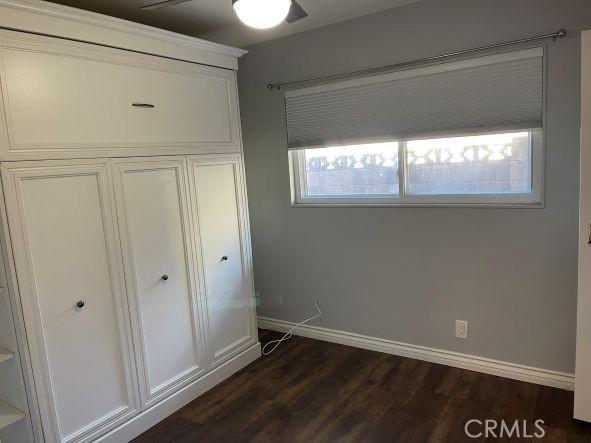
[(406, 274)]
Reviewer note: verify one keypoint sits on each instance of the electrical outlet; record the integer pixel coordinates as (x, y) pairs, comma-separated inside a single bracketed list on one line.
[(461, 329)]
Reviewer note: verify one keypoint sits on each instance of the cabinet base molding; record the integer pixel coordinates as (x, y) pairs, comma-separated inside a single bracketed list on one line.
[(160, 411)]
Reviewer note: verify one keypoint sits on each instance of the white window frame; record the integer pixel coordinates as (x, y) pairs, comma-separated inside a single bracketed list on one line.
[(533, 199)]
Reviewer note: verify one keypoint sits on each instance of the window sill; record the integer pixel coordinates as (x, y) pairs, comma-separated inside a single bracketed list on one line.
[(417, 205)]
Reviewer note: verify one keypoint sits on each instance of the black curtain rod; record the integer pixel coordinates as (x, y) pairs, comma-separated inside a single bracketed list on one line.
[(278, 86)]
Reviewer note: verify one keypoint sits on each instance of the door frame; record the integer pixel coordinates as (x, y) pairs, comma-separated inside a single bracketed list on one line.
[(582, 410)]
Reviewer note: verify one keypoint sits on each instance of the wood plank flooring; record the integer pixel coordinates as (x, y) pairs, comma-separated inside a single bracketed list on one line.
[(310, 390)]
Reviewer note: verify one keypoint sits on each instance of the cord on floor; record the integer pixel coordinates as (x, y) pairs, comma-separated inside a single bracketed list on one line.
[(289, 333)]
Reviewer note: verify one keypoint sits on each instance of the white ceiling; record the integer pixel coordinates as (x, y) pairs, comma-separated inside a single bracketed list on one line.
[(214, 20)]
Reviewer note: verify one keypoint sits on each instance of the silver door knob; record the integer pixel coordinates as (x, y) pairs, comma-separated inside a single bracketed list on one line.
[(80, 304)]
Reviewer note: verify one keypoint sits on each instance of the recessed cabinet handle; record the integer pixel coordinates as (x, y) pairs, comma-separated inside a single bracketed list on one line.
[(164, 277), (142, 105), (225, 258), (80, 304)]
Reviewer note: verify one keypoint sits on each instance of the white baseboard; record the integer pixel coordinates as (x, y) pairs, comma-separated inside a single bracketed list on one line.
[(148, 418), (514, 371)]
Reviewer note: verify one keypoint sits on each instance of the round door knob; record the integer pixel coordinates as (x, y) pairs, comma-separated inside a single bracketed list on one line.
[(225, 258), (80, 304), (164, 277)]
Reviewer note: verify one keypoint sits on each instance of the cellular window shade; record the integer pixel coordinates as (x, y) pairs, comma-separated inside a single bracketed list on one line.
[(496, 92)]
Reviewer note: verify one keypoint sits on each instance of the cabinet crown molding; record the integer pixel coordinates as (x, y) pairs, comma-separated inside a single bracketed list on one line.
[(40, 17)]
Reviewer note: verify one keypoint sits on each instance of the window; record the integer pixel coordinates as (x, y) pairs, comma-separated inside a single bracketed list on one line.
[(464, 132), (362, 170), (485, 169)]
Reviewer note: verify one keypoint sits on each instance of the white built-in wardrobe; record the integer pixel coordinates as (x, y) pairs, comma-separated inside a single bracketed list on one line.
[(124, 208)]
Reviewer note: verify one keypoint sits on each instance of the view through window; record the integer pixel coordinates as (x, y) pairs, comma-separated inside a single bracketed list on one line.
[(477, 165)]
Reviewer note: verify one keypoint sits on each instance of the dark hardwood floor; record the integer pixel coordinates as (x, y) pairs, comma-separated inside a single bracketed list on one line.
[(310, 390)]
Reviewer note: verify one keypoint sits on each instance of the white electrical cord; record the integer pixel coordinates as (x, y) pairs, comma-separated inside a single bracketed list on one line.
[(289, 333)]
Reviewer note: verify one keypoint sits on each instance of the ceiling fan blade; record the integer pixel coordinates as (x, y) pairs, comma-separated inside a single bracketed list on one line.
[(296, 12), (163, 4)]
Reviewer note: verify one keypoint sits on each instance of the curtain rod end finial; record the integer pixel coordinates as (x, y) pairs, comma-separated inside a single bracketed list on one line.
[(273, 86), (560, 34)]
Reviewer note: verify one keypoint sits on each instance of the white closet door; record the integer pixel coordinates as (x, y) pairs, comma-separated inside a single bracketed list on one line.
[(67, 262), (154, 224), (219, 203)]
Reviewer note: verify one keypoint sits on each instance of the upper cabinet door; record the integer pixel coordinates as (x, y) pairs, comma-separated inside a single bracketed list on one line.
[(67, 261), (223, 242), (75, 99), (153, 213)]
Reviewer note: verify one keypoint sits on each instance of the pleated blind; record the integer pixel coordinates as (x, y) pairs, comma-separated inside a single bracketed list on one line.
[(496, 92)]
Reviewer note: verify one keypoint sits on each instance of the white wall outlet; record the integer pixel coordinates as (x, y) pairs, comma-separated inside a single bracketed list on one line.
[(461, 329)]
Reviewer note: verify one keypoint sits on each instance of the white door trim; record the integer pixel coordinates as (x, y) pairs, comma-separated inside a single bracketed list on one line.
[(583, 361)]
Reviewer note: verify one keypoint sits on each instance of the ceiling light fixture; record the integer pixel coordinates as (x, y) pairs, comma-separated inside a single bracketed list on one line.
[(261, 14)]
